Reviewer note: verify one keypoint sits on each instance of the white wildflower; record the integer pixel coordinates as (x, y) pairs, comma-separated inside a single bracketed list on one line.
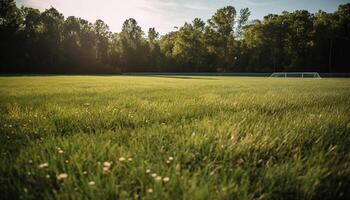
[(121, 159), (166, 179), (106, 170), (158, 178), (107, 164), (62, 176), (43, 165)]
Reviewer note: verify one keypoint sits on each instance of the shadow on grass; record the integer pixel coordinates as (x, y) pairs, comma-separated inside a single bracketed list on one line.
[(180, 77)]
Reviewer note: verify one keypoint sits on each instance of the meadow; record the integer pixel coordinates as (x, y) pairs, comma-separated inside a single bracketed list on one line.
[(174, 137)]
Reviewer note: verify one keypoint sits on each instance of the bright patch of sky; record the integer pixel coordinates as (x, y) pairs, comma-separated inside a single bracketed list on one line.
[(164, 15)]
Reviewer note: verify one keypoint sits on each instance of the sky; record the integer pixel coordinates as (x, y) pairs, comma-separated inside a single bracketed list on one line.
[(164, 15)]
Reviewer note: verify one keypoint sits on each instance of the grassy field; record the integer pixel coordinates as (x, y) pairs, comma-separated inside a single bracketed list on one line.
[(108, 137)]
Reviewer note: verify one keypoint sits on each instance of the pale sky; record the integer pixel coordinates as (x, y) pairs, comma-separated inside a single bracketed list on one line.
[(165, 14)]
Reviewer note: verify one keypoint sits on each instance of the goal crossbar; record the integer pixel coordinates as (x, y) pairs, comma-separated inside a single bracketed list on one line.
[(295, 75)]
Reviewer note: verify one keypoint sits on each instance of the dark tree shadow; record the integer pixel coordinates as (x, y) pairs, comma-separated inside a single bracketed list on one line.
[(180, 77)]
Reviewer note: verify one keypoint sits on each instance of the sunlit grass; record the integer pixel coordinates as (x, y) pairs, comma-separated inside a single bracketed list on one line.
[(105, 137)]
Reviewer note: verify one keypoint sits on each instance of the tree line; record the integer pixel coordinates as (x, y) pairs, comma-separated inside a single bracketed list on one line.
[(46, 42)]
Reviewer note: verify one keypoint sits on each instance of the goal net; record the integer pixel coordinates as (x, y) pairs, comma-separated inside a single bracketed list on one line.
[(295, 75)]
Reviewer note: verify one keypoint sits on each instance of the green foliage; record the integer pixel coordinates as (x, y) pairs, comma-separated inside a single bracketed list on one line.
[(242, 21), (221, 29), (10, 15), (154, 48), (133, 47), (297, 41), (189, 46), (45, 42), (220, 138), (223, 20), (102, 35)]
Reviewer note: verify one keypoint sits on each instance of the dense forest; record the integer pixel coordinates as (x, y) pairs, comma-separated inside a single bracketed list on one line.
[(46, 42)]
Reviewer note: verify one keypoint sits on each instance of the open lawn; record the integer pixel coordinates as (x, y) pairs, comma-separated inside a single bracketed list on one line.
[(108, 137)]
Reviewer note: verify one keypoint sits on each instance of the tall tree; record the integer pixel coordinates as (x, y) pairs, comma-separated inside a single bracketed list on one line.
[(51, 51), (11, 19), (166, 44), (31, 34), (189, 46), (102, 35), (132, 46), (222, 27), (242, 21), (154, 49)]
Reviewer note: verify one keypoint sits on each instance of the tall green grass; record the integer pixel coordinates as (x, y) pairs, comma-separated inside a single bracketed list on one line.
[(203, 137)]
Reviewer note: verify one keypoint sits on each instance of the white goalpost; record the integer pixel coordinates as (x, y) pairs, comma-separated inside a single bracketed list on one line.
[(295, 75)]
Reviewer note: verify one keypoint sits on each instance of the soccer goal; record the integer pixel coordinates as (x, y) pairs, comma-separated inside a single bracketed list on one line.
[(295, 75)]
